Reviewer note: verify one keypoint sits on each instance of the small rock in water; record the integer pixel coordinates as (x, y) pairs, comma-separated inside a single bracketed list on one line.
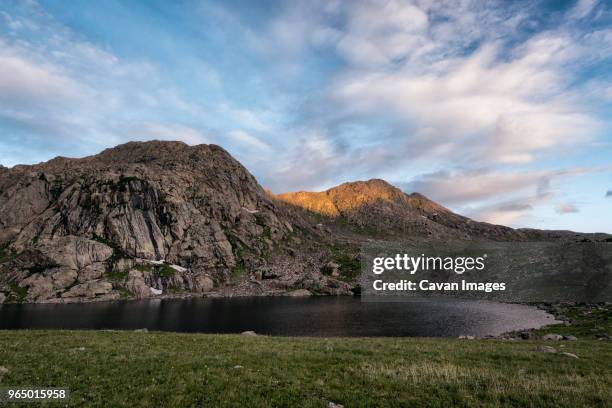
[(552, 336), (248, 333), (546, 349), (143, 330), (569, 355), (299, 293)]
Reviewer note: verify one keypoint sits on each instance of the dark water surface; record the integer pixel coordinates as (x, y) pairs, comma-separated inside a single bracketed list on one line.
[(319, 316)]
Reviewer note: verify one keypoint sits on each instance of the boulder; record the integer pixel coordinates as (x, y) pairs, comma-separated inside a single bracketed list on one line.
[(39, 287), (91, 272), (570, 338), (2, 298), (136, 285), (75, 252), (552, 336), (248, 333), (299, 293), (546, 349), (202, 283), (63, 277), (3, 371), (89, 290), (331, 268)]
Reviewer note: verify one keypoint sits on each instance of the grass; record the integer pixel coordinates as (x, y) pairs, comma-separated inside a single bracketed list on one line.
[(172, 369), (587, 321)]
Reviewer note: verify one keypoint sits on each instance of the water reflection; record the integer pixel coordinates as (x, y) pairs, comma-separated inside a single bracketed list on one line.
[(321, 316)]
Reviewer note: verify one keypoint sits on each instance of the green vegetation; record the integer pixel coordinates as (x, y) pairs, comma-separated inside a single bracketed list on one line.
[(124, 183), (17, 292), (239, 251), (171, 369), (164, 271), (346, 257), (117, 276), (5, 253), (143, 267), (587, 321)]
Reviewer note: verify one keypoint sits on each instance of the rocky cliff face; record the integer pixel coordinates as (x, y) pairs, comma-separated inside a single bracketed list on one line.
[(137, 220)]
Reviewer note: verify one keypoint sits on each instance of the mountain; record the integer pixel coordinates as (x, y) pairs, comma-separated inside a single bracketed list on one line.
[(167, 219), (377, 206), (138, 219)]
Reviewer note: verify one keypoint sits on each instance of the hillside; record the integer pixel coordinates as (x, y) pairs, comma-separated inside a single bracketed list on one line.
[(138, 220), (378, 207), (157, 218)]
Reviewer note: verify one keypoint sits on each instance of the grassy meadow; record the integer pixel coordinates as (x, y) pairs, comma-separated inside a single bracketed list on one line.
[(105, 368)]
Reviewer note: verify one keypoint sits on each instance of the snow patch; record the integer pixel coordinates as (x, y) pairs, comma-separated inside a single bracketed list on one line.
[(156, 291), (178, 268)]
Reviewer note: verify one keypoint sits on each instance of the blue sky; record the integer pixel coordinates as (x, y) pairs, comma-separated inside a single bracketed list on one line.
[(498, 110)]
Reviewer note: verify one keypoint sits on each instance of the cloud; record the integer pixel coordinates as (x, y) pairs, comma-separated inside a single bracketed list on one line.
[(511, 211), (244, 138), (566, 208), (493, 196), (608, 193), (582, 9), (470, 186), (150, 131), (24, 84), (479, 108)]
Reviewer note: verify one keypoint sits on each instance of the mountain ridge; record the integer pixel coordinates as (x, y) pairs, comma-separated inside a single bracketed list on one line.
[(158, 218)]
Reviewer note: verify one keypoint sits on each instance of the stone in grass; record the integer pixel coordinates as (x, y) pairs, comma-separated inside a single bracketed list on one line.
[(144, 330), (248, 333), (334, 405), (569, 354), (3, 371), (570, 338), (547, 349), (552, 336), (466, 337)]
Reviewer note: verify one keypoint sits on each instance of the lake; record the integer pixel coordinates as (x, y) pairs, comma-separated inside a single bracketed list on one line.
[(284, 316)]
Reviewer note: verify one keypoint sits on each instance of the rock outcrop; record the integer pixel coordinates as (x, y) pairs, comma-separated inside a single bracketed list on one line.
[(189, 217)]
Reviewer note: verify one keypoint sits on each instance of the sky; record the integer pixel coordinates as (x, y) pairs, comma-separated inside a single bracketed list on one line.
[(498, 110)]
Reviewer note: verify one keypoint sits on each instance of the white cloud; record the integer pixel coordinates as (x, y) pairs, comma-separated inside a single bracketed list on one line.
[(243, 138), (23, 83), (582, 9), (566, 208), (513, 110), (149, 131)]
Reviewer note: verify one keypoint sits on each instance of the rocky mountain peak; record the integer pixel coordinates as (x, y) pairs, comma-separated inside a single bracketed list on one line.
[(195, 207)]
